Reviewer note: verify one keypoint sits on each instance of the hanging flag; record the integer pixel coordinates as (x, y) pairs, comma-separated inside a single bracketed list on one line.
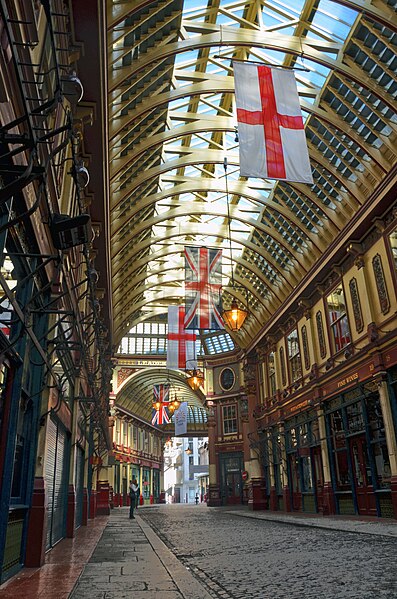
[(161, 396), (6, 313), (270, 125), (181, 344), (181, 419), (203, 281)]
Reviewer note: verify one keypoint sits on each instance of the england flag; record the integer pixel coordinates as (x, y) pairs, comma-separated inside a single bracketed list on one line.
[(270, 125)]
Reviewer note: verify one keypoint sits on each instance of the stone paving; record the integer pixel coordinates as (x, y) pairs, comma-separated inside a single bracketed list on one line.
[(195, 552)]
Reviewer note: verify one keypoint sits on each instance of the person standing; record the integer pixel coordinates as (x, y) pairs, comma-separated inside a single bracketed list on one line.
[(138, 494), (133, 496)]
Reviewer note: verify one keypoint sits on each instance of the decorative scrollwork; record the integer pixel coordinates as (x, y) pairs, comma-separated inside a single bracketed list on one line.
[(357, 312), (306, 355), (282, 366), (320, 333), (381, 284)]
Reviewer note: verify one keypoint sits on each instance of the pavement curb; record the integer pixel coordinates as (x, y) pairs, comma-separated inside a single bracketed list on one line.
[(359, 527), (186, 582)]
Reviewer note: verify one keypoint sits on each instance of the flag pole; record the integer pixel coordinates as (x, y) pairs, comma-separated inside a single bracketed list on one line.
[(262, 63)]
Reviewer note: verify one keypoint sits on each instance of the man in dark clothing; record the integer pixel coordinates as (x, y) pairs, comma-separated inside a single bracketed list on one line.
[(133, 496)]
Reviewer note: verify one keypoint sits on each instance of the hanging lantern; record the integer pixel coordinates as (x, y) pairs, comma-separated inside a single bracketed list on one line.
[(195, 380), (234, 317)]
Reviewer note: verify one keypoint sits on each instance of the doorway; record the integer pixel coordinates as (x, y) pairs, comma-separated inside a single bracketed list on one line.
[(362, 476), (231, 483)]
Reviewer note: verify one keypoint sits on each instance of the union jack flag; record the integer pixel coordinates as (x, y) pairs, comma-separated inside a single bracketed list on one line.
[(161, 395), (203, 281)]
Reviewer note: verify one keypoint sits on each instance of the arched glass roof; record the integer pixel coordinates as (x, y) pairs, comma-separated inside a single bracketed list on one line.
[(172, 122)]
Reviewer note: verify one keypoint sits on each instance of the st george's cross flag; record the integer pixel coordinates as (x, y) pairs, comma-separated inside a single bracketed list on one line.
[(203, 281), (181, 344), (270, 125), (161, 395)]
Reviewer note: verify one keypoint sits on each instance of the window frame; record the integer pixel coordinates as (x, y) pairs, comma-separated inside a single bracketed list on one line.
[(292, 358), (232, 418), (331, 325)]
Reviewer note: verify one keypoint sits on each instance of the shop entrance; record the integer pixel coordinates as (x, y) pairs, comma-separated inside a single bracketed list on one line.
[(362, 476), (231, 487)]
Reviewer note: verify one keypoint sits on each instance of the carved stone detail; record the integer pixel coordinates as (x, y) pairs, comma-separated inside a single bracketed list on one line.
[(306, 355), (357, 312), (282, 366), (381, 284), (320, 333)]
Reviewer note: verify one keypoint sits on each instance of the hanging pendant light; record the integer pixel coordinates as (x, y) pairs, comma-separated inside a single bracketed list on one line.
[(234, 317), (195, 380)]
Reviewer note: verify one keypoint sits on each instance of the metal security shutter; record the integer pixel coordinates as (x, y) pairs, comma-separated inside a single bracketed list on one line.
[(79, 486), (49, 474), (57, 481)]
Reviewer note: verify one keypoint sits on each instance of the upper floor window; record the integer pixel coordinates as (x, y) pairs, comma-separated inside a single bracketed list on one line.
[(229, 420), (393, 245), (271, 371), (338, 321), (294, 357)]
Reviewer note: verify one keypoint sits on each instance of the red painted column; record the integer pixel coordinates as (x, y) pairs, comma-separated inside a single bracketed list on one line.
[(329, 506), (257, 499), (214, 498), (92, 504), (71, 513), (85, 507), (286, 499), (273, 500), (37, 526)]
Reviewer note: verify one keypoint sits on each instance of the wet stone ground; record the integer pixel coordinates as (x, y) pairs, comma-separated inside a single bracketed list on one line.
[(243, 558)]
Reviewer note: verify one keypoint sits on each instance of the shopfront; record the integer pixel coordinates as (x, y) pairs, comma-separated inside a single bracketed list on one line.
[(360, 466), (231, 482), (271, 443), (304, 463)]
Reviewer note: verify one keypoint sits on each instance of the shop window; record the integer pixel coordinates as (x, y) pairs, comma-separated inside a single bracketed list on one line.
[(355, 420), (338, 321), (292, 441), (339, 450), (307, 475), (378, 443), (294, 357), (271, 370), (229, 420), (277, 462)]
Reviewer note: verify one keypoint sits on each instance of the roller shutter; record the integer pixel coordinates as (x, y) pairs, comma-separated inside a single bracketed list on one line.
[(56, 475)]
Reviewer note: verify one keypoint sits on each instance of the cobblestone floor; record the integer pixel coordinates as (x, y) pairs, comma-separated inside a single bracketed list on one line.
[(244, 558)]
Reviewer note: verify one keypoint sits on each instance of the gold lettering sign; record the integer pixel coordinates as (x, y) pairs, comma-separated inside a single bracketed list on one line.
[(298, 406), (347, 380)]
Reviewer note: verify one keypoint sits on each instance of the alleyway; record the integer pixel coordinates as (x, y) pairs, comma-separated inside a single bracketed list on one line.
[(192, 552)]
